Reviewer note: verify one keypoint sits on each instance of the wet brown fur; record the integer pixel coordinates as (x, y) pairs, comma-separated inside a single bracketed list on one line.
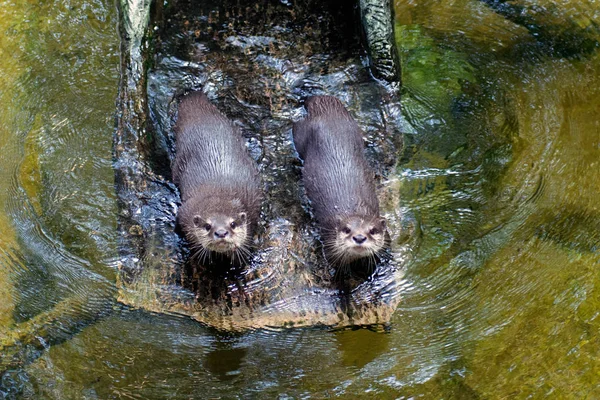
[(215, 174), (338, 180)]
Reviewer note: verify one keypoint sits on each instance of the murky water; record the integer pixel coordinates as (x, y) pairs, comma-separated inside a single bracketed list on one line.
[(496, 156)]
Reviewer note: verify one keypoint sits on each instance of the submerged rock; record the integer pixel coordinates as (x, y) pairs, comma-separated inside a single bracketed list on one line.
[(256, 63)]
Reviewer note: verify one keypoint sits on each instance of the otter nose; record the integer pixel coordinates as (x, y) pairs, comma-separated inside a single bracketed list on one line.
[(221, 233), (359, 239)]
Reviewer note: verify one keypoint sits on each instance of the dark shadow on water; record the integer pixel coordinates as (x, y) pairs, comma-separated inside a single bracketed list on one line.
[(359, 347), (225, 360)]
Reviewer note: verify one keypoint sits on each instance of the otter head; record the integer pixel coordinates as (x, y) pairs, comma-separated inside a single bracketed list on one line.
[(355, 237), (215, 224), (222, 233)]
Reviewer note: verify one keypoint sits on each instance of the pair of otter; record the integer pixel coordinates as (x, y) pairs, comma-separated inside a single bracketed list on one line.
[(221, 189)]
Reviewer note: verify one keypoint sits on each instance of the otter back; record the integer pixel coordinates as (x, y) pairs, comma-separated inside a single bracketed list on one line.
[(210, 150), (336, 175)]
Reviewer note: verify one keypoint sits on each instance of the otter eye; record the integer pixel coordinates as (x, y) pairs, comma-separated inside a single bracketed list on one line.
[(373, 231), (346, 230), (207, 227), (233, 225)]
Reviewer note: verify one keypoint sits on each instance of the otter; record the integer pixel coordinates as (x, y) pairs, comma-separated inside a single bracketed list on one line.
[(339, 182), (218, 180)]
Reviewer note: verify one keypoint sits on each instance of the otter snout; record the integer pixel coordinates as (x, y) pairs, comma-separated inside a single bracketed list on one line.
[(359, 239), (221, 233)]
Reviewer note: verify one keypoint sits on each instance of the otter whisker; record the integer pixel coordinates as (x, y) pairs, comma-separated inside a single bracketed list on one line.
[(241, 252), (338, 256), (199, 255), (234, 256), (203, 255), (372, 261), (246, 252)]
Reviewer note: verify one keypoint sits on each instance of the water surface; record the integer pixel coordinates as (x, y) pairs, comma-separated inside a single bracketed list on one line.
[(498, 162)]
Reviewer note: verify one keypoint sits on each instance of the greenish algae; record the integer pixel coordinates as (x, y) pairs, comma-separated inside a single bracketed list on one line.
[(30, 175), (55, 134), (538, 298), (529, 312), (11, 69), (431, 71)]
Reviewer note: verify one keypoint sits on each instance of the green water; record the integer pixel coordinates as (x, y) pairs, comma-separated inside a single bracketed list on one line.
[(501, 168)]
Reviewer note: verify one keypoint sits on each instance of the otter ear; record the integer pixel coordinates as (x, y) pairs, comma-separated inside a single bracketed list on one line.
[(242, 216), (383, 223), (198, 221)]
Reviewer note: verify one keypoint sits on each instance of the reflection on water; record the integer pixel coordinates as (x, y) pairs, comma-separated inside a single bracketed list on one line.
[(500, 166)]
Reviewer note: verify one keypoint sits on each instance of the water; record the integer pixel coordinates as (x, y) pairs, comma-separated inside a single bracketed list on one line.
[(495, 156)]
